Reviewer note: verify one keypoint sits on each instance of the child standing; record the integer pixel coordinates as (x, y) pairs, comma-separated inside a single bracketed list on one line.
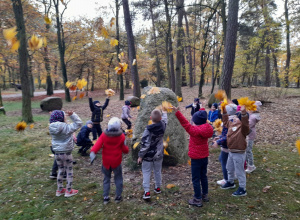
[(63, 145), (97, 116), (152, 151), (83, 139), (213, 113), (126, 114), (254, 118), (195, 106), (113, 143), (198, 152), (238, 129)]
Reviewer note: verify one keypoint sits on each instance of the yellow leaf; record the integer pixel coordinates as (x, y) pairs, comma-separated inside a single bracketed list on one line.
[(112, 22), (168, 139), (138, 108), (189, 162), (169, 186), (114, 42), (223, 104), (121, 68), (135, 145), (69, 84), (10, 33), (121, 55), (31, 126), (165, 152), (15, 46), (35, 43), (81, 83), (154, 90), (298, 145), (47, 20), (150, 122), (107, 116), (179, 99), (167, 106), (249, 105), (74, 98), (217, 125), (109, 92), (104, 32), (21, 126), (220, 95), (84, 199), (134, 62), (143, 96)]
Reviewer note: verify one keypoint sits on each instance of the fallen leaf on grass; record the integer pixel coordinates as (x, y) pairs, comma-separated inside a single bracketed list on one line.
[(251, 207), (107, 116), (265, 189), (84, 199), (169, 186)]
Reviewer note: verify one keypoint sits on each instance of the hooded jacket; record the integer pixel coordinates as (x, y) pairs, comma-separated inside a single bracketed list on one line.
[(83, 136), (62, 134), (199, 134), (213, 115), (113, 146), (125, 112), (253, 119), (97, 111), (152, 141)]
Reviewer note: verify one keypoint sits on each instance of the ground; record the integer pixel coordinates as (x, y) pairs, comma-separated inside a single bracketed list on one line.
[(27, 193)]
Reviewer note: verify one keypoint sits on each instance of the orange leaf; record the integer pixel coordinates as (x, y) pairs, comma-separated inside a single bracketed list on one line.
[(73, 88), (81, 95), (74, 98), (220, 95)]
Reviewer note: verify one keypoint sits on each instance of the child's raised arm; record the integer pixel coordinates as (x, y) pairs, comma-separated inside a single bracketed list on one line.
[(91, 104), (245, 121), (71, 128)]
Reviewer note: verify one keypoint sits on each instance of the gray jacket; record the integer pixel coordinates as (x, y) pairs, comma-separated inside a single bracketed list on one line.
[(62, 134), (125, 112), (152, 140)]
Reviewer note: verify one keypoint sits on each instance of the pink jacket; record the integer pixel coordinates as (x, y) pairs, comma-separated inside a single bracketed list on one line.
[(253, 119)]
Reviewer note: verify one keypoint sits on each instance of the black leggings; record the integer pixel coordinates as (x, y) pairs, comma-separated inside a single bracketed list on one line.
[(96, 129), (127, 122)]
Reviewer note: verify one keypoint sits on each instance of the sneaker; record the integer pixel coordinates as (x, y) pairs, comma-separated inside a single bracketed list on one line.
[(61, 192), (228, 185), (157, 190), (221, 182), (118, 199), (73, 192), (205, 198), (53, 176), (105, 200), (250, 169), (196, 202), (146, 195), (240, 192)]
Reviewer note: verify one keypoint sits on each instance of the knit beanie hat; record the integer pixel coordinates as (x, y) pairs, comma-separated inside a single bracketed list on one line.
[(235, 101), (258, 104), (88, 122), (216, 105), (200, 117), (231, 109), (196, 100), (127, 102), (95, 102), (114, 124), (57, 116)]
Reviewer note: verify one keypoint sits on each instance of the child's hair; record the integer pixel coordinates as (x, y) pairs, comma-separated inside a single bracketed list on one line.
[(196, 100), (127, 102), (57, 116), (156, 115)]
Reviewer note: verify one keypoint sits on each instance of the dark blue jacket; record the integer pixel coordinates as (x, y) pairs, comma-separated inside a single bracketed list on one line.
[(83, 136), (97, 111), (212, 116), (193, 109), (223, 138)]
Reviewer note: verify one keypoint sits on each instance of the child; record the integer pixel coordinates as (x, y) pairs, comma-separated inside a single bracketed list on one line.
[(213, 113), (152, 151), (83, 139), (195, 106), (198, 152), (97, 116), (113, 143), (62, 145), (126, 114), (253, 119), (238, 129)]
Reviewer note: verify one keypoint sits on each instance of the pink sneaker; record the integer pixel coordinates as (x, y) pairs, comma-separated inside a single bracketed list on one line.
[(59, 193), (71, 193)]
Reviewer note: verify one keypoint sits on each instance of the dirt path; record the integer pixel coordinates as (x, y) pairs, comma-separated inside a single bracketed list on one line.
[(18, 96)]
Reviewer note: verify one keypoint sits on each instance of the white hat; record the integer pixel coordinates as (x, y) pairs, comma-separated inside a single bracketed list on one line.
[(258, 104), (114, 124), (231, 109)]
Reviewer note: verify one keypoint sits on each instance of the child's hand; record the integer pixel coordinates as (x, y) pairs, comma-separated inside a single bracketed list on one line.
[(139, 161), (175, 109), (214, 145), (69, 113), (243, 109), (216, 138)]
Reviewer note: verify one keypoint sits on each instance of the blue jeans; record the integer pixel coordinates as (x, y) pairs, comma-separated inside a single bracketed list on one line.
[(223, 160), (199, 171)]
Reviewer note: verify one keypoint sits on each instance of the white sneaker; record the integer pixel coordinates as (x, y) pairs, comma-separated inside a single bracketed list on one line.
[(250, 169), (221, 182)]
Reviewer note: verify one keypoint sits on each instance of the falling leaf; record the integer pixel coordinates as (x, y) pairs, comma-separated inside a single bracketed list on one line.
[(165, 152), (217, 125), (107, 116), (110, 92), (150, 122), (249, 105), (15, 45), (10, 33), (223, 104), (121, 68), (170, 186), (129, 133), (135, 145), (134, 62), (143, 96), (189, 162), (21, 126), (73, 88), (220, 95), (81, 83), (167, 106), (81, 95), (112, 22), (138, 108), (104, 32), (265, 189), (154, 90), (31, 126), (179, 99), (35, 43), (168, 139), (298, 145), (121, 56), (114, 42), (69, 84), (47, 20), (74, 98)]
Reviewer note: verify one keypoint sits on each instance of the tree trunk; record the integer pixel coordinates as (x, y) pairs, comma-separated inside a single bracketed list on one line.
[(183, 75), (131, 47), (23, 61), (189, 51), (179, 50), (31, 81), (275, 68), (121, 97), (167, 39), (56, 76), (1, 103), (224, 22), (88, 82), (62, 49), (93, 78), (268, 68), (230, 46), (288, 47)]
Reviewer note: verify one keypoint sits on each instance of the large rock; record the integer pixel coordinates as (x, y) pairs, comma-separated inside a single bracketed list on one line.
[(51, 103), (178, 145), (135, 101), (212, 99)]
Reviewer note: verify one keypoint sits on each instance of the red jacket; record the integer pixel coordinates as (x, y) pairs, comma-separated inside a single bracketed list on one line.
[(113, 147), (199, 134)]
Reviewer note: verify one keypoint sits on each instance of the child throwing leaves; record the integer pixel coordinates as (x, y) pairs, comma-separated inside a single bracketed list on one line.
[(63, 145), (126, 114)]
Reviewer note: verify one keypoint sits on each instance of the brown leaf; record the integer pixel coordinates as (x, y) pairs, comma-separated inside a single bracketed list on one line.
[(265, 189)]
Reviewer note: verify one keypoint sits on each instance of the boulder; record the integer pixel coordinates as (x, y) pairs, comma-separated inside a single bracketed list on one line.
[(212, 99), (178, 145), (135, 101), (51, 103)]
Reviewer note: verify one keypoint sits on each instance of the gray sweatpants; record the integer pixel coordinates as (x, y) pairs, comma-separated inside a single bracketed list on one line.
[(147, 168), (118, 180), (235, 164), (249, 154)]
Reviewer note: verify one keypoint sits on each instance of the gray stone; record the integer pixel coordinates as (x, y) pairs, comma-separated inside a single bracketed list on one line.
[(135, 101), (178, 145), (212, 99), (51, 103)]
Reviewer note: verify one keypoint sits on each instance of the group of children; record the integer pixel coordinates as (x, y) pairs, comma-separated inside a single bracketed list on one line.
[(112, 142)]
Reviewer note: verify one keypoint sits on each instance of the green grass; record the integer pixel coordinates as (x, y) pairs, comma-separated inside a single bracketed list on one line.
[(27, 193), (17, 105)]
